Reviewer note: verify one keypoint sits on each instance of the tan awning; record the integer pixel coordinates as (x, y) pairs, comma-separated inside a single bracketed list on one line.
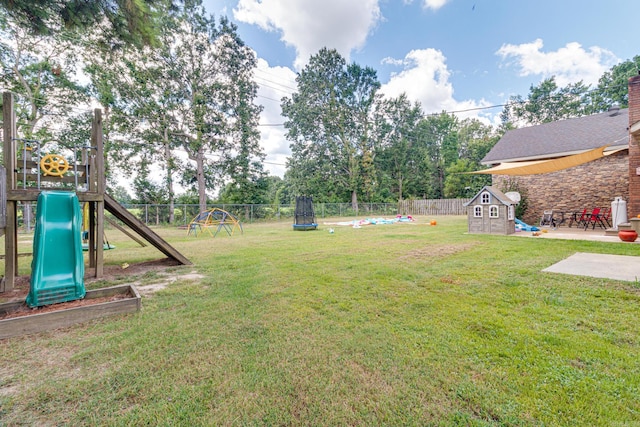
[(546, 166)]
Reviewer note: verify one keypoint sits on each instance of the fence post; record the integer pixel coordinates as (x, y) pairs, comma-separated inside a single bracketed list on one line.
[(27, 216)]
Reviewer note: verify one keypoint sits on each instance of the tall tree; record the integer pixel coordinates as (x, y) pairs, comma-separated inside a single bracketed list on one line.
[(400, 160), (329, 121), (547, 102), (211, 73), (438, 133), (191, 95), (613, 86), (39, 70), (129, 21), (245, 167), (475, 139)]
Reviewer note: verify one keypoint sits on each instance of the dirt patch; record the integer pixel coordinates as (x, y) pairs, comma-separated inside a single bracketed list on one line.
[(149, 289), (436, 251)]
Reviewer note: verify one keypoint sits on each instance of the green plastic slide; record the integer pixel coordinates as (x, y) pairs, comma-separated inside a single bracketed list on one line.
[(57, 269)]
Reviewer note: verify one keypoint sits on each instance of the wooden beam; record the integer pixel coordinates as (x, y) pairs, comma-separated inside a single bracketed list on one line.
[(23, 254), (92, 235), (9, 128), (143, 230), (32, 178), (9, 155), (99, 144), (99, 235), (31, 195), (10, 248), (125, 231)]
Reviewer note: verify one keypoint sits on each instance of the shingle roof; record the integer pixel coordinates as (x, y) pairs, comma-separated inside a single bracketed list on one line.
[(495, 192), (562, 138)]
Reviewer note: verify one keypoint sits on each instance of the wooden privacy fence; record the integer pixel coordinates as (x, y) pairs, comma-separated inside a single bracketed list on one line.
[(433, 207)]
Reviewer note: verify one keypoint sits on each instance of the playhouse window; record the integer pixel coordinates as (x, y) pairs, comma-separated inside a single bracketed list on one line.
[(477, 211), (493, 211), (511, 214), (485, 198)]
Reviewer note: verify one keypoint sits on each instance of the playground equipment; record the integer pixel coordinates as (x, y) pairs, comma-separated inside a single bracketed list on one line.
[(26, 174), (85, 230), (521, 226), (214, 218), (54, 165), (57, 269), (305, 217)]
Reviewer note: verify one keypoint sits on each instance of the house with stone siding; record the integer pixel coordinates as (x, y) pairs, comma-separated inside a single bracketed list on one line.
[(589, 185)]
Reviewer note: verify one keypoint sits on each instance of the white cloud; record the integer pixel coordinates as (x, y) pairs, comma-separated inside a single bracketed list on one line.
[(309, 25), (275, 83), (430, 4), (425, 78), (434, 4), (569, 64), (392, 61)]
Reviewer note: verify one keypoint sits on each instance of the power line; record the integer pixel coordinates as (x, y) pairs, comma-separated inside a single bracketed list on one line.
[(508, 104)]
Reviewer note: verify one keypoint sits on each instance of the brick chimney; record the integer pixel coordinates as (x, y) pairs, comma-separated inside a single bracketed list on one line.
[(633, 205)]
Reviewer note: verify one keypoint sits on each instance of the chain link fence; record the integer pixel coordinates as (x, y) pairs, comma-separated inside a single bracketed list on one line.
[(157, 215), (250, 213)]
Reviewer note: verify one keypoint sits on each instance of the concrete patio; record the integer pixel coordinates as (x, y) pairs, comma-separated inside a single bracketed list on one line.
[(574, 233), (616, 267)]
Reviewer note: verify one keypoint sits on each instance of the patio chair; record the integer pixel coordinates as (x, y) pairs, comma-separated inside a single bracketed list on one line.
[(579, 218), (594, 218), (606, 218), (547, 219)]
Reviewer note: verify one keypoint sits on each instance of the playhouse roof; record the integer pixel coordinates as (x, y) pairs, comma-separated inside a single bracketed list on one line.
[(499, 195)]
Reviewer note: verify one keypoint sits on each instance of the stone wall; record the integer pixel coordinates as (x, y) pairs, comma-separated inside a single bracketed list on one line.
[(593, 184)]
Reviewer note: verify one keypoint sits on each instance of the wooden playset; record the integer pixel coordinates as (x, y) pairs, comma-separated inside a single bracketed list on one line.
[(29, 171)]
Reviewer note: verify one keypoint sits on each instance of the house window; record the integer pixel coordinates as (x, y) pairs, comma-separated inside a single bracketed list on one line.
[(511, 214), (477, 211), (493, 211), (485, 198)]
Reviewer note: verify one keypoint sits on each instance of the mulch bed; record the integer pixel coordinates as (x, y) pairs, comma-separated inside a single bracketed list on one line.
[(111, 272), (25, 310)]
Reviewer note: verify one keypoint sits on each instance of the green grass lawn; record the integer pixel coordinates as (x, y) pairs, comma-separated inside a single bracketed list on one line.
[(404, 324)]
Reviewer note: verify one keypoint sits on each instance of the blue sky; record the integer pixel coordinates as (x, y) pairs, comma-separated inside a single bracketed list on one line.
[(451, 55)]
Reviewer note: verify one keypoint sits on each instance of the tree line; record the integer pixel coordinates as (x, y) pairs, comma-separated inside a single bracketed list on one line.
[(179, 100)]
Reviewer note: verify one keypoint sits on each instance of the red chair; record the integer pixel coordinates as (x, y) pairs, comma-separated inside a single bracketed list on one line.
[(579, 218), (605, 218), (593, 218)]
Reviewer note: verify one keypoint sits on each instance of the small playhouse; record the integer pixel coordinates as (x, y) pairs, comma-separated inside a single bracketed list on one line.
[(491, 212)]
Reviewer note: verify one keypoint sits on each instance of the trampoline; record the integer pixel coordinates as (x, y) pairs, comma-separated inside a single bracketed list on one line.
[(305, 217)]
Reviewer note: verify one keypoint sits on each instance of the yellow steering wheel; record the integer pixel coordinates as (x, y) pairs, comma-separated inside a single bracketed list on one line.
[(54, 165)]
